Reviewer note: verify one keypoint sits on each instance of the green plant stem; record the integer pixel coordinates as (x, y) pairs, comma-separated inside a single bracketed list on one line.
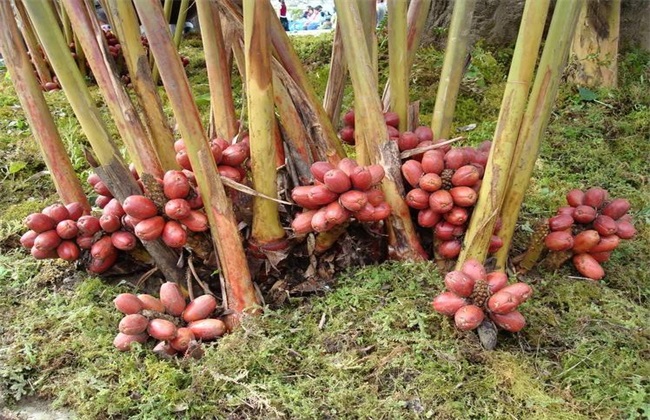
[(338, 72), (452, 68), (111, 167), (538, 112), (127, 30), (124, 114), (240, 290), (266, 219), (38, 115), (513, 105), (32, 44), (403, 241), (418, 11), (398, 62), (221, 100)]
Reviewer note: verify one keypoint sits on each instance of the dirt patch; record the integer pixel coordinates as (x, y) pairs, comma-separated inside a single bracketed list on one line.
[(35, 409)]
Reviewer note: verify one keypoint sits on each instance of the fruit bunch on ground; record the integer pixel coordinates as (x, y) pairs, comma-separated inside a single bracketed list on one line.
[(590, 227), (445, 185), (178, 326), (473, 294), (338, 195)]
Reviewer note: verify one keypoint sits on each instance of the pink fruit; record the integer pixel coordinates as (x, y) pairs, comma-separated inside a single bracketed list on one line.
[(559, 241), (496, 281), (605, 225), (465, 176), (616, 208), (184, 336), (474, 269), (172, 298), (463, 196), (176, 184), (151, 303), (197, 221), (459, 283), (412, 172), (208, 329), (448, 303), (67, 229), (177, 209), (428, 218), (27, 240), (468, 317), (57, 211), (88, 225), (585, 240), (150, 229), (595, 197), (521, 291), (47, 241), (502, 302), (433, 162), (560, 222), (40, 222), (124, 241), (575, 197), (161, 329), (301, 224), (319, 169), (512, 322), (133, 324), (200, 308), (140, 207), (588, 266), (418, 199), (625, 230), (441, 201), (431, 182), (354, 200), (337, 181), (128, 303)]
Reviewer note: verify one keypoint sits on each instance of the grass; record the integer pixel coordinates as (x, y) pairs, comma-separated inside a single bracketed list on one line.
[(381, 351)]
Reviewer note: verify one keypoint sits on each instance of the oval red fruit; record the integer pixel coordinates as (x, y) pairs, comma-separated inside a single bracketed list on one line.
[(448, 303), (172, 298), (588, 266), (200, 308), (459, 283), (468, 317), (559, 241), (511, 322)]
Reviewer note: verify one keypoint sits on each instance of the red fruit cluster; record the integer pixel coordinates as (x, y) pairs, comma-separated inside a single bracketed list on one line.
[(64, 232), (181, 212), (53, 232), (229, 158), (590, 227), (446, 183), (179, 326), (407, 140), (339, 194), (472, 294)]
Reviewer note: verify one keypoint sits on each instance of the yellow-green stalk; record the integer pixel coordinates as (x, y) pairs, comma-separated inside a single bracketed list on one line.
[(127, 30), (538, 112), (216, 61), (287, 56), (38, 115), (239, 287), (32, 44), (398, 61), (513, 105), (452, 68), (403, 241), (336, 79), (111, 167), (124, 114), (418, 11), (368, 15), (167, 12), (180, 22), (266, 219)]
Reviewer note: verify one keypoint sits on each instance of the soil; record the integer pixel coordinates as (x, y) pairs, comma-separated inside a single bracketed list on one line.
[(35, 409)]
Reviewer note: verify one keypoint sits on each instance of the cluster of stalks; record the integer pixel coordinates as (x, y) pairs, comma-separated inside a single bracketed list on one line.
[(288, 129)]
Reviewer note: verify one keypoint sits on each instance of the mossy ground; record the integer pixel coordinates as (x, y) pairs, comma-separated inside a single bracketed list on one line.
[(381, 351)]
